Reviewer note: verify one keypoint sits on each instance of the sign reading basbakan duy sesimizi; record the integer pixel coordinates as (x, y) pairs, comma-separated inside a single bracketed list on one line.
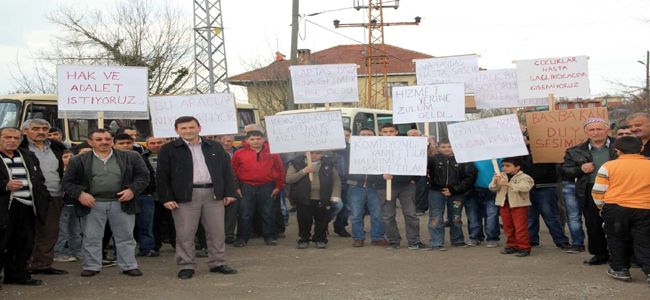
[(388, 155)]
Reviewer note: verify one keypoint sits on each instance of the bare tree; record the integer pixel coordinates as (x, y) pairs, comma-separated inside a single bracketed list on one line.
[(134, 33), (271, 90)]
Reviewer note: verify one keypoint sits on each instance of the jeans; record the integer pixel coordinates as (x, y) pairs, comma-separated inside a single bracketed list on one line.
[(256, 197), (481, 211), (574, 213), (454, 205), (283, 206), (334, 210), (358, 199), (122, 225), (144, 223), (406, 196), (69, 232), (544, 202)]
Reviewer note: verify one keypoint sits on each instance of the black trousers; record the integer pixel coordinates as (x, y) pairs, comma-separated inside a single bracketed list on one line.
[(314, 213), (596, 241), (163, 226), (230, 219), (17, 242), (628, 233), (422, 194)]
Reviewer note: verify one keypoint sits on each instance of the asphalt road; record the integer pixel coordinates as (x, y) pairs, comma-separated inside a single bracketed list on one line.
[(344, 272)]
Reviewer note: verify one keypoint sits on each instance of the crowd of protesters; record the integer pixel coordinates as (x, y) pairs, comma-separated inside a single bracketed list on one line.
[(109, 200)]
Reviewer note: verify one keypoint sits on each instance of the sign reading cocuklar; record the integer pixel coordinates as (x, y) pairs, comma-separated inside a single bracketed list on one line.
[(552, 132), (298, 132), (452, 69), (102, 88), (396, 155), (563, 77), (498, 89), (428, 103), (217, 113), (490, 138), (324, 83)]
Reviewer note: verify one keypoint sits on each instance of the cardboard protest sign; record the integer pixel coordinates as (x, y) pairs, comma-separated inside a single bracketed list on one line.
[(324, 83), (498, 89), (102, 88), (305, 132), (552, 132), (217, 113), (428, 103), (489, 138), (396, 155), (452, 69), (562, 77)]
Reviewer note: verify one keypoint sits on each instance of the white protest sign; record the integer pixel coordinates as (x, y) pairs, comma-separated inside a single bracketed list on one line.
[(562, 77), (324, 83), (452, 69), (498, 89), (429, 103), (102, 88), (490, 138), (305, 132), (396, 155), (216, 113)]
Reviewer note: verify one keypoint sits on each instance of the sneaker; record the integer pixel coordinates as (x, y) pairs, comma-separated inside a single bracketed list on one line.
[(303, 245), (358, 243), (392, 246), (623, 275), (65, 258), (460, 245), (106, 263), (563, 247), (522, 253), (492, 244), (438, 248), (419, 213), (473, 243), (417, 246), (202, 253), (151, 253), (575, 249), (508, 250), (321, 245), (534, 244), (271, 242), (239, 243)]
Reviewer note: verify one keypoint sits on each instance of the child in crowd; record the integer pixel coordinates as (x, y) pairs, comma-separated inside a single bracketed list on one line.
[(512, 188)]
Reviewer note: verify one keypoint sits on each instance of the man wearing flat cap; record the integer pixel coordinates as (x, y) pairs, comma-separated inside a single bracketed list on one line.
[(582, 163)]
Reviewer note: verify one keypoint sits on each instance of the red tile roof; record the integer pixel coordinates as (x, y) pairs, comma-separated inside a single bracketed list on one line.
[(399, 61)]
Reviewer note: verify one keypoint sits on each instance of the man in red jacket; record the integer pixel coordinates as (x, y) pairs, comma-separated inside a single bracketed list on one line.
[(260, 175)]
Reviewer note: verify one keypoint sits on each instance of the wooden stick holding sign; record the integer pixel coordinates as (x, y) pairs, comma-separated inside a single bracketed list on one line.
[(551, 102), (389, 189), (100, 119), (495, 165), (310, 164)]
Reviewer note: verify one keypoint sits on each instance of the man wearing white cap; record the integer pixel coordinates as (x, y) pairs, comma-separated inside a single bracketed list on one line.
[(582, 162)]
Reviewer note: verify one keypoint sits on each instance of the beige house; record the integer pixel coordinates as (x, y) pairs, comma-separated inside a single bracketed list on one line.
[(268, 87)]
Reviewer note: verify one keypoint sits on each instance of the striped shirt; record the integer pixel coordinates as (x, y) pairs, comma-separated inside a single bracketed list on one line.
[(18, 171), (624, 182)]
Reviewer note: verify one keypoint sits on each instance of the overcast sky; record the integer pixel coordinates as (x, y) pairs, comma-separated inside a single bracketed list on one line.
[(614, 34)]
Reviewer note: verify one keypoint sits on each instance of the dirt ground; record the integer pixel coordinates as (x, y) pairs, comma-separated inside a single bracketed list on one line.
[(344, 272)]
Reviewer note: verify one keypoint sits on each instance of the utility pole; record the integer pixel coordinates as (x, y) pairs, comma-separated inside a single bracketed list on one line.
[(294, 50), (647, 81), (376, 56)]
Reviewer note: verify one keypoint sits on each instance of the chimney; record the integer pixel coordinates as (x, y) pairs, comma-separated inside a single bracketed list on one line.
[(304, 56)]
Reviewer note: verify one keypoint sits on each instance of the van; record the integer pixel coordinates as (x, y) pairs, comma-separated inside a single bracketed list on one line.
[(15, 109), (358, 117)]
